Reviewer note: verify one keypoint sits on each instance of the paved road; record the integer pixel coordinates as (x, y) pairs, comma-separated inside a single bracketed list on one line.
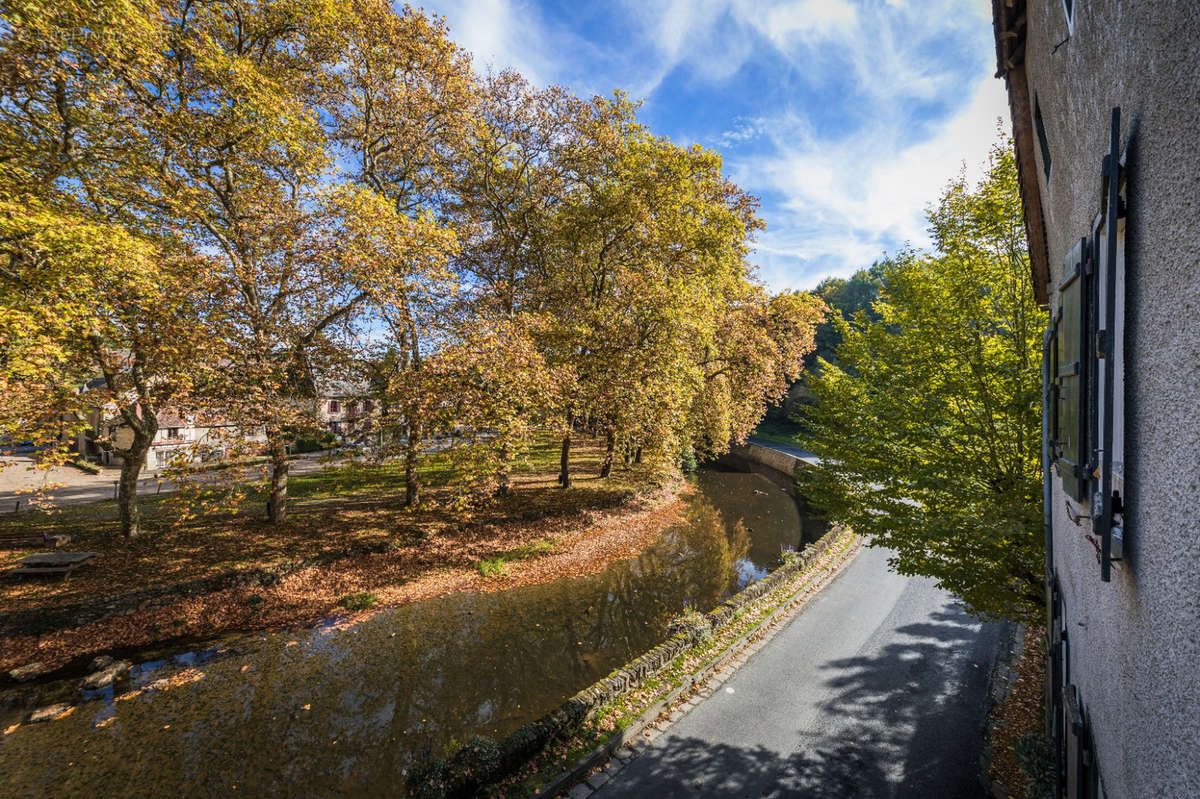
[(78, 487), (877, 688)]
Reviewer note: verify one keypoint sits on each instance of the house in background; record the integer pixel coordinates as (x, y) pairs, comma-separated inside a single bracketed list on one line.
[(182, 438), (344, 410), (208, 437), (1105, 103)]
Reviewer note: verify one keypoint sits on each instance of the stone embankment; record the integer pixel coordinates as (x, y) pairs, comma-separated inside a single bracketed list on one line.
[(776, 459)]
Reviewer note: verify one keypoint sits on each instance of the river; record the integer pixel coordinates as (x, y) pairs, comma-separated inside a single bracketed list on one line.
[(344, 709)]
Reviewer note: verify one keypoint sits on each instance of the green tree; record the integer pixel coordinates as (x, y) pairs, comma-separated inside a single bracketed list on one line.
[(846, 296), (930, 426)]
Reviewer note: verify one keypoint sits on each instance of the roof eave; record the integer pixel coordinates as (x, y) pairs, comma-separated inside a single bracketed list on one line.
[(1008, 20)]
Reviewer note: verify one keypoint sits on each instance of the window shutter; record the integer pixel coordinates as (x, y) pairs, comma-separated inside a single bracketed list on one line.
[(1082, 777), (1109, 353), (1071, 376), (1050, 389)]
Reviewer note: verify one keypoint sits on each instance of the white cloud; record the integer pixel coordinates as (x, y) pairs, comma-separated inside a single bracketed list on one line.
[(881, 46), (743, 130), (842, 181), (504, 34), (838, 198), (844, 201), (802, 20)]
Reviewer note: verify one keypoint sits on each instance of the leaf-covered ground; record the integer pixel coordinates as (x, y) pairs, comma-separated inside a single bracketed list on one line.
[(541, 532), (1020, 713)]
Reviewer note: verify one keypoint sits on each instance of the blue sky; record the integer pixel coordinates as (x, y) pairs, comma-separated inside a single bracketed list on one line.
[(846, 117)]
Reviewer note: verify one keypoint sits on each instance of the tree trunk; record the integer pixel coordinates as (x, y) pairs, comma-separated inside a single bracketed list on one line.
[(610, 445), (504, 472), (637, 454), (131, 468), (412, 449), (277, 499), (564, 462)]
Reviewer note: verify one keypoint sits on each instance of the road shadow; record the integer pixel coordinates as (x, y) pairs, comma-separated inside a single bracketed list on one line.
[(907, 721)]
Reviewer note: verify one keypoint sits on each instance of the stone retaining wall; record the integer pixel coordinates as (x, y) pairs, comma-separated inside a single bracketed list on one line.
[(483, 761), (772, 458)]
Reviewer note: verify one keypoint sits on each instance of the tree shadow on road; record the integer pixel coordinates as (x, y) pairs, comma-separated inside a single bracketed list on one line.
[(904, 722)]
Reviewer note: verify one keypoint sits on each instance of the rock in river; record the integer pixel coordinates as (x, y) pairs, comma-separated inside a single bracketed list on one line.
[(51, 712), (106, 675), (28, 672)]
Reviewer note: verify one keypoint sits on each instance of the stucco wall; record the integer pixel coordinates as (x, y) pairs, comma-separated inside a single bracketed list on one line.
[(1135, 641)]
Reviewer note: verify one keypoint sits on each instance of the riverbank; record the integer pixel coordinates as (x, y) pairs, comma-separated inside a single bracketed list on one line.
[(349, 548), (623, 708), (351, 708)]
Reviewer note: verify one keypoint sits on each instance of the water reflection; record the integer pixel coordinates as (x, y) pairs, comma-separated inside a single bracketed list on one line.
[(346, 710)]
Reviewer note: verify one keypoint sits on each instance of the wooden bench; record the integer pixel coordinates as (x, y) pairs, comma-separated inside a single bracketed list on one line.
[(50, 563), (30, 540)]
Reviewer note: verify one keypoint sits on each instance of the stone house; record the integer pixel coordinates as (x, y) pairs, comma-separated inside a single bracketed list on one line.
[(205, 437), (345, 414), (180, 437), (1105, 104), (345, 409)]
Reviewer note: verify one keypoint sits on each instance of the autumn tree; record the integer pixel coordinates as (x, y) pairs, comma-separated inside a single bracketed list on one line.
[(757, 352), (497, 390), (81, 298), (235, 101), (517, 166), (512, 176), (654, 268), (400, 265), (400, 100), (91, 282), (631, 250), (929, 430), (261, 198)]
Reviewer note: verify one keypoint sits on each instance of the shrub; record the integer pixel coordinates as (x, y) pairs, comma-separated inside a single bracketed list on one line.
[(493, 567), (688, 463), (1035, 758), (360, 600), (427, 778), (789, 555), (84, 465), (311, 444), (477, 762)]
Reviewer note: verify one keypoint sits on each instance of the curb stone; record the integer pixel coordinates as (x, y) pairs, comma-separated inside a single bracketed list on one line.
[(1001, 682)]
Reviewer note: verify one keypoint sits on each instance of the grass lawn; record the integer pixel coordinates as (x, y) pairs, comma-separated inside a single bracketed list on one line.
[(344, 509), (778, 431)]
